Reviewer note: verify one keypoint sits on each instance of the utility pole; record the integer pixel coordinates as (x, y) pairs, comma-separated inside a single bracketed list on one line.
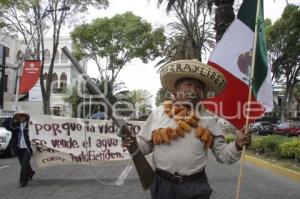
[(3, 53)]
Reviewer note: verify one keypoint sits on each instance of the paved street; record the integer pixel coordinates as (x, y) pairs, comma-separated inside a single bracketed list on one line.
[(71, 182)]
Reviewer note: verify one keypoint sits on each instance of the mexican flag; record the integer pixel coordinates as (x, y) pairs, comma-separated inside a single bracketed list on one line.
[(232, 56)]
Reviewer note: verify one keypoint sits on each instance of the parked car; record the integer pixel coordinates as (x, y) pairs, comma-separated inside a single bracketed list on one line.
[(5, 136), (290, 128), (262, 128)]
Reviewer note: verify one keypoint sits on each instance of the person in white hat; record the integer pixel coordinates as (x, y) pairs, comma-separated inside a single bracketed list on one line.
[(22, 145), (179, 133)]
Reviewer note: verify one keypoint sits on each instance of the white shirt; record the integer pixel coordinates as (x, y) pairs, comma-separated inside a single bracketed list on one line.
[(22, 138), (185, 155)]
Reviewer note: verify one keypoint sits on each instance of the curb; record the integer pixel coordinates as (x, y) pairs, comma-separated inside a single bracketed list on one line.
[(294, 175)]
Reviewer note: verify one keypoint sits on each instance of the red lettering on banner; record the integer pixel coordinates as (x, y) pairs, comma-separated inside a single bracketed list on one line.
[(61, 143), (53, 159), (93, 155), (106, 143)]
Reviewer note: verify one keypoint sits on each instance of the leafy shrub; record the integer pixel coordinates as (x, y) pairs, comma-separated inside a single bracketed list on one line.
[(257, 146), (272, 142), (229, 138), (289, 149), (297, 154)]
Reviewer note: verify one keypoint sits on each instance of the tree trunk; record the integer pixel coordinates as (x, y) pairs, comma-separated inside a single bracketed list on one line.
[(286, 101), (224, 15), (284, 115), (46, 105)]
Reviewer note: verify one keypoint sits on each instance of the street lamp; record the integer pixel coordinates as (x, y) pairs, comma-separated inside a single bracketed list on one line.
[(20, 67)]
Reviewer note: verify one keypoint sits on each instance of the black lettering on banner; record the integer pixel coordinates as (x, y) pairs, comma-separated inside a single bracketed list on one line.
[(73, 126), (104, 144), (62, 143), (66, 127), (136, 129), (101, 128), (47, 127), (53, 159), (92, 128), (79, 127), (93, 155), (39, 142), (112, 128), (38, 127), (56, 129), (87, 143), (105, 128)]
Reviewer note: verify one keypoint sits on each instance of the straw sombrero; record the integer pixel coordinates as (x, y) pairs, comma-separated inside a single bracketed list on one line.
[(213, 79), (20, 114)]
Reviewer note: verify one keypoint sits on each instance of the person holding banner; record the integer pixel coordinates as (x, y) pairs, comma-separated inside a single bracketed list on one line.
[(181, 131), (22, 146)]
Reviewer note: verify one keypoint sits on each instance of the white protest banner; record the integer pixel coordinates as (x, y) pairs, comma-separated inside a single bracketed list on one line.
[(62, 141)]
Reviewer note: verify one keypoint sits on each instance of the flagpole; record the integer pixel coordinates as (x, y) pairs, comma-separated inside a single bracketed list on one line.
[(249, 99)]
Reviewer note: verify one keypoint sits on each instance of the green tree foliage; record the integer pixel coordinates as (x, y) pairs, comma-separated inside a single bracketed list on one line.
[(113, 42), (72, 98), (284, 52), (141, 101), (192, 35), (77, 94), (224, 14), (161, 96)]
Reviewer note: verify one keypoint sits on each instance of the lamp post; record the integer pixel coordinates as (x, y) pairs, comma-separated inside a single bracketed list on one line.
[(20, 67)]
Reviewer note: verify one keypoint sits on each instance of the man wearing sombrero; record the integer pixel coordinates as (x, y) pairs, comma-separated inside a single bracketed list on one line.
[(179, 133), (21, 143)]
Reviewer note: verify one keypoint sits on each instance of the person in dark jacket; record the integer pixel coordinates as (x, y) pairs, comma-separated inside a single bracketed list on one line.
[(22, 146)]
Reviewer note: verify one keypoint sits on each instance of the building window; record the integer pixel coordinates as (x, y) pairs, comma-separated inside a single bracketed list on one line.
[(47, 56), (63, 82)]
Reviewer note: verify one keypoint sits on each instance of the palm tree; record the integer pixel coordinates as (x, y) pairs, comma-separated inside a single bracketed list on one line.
[(112, 91), (224, 13), (192, 35), (162, 95), (140, 101)]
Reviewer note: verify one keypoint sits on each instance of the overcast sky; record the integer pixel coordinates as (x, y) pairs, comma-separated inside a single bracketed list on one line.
[(137, 75)]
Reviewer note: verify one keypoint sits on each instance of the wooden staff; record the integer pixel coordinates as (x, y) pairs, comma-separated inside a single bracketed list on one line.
[(237, 196)]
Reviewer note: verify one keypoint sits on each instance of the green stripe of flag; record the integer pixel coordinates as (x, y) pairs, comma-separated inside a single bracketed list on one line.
[(247, 14)]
